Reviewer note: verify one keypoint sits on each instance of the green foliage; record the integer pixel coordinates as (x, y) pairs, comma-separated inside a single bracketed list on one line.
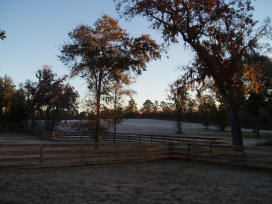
[(49, 96), (131, 110), (7, 90), (147, 107), (221, 119), (17, 110), (2, 34)]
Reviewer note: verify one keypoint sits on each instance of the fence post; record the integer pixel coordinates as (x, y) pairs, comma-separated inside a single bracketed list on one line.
[(116, 152), (210, 154), (170, 149), (81, 153), (189, 152), (53, 136), (243, 156), (41, 153)]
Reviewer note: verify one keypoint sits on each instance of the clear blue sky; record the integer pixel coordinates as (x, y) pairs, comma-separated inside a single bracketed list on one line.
[(36, 28)]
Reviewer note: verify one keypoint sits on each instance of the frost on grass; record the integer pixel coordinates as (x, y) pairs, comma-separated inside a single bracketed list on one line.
[(152, 182)]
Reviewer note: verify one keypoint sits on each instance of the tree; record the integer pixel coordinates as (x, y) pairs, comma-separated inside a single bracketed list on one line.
[(207, 108), (178, 92), (221, 119), (156, 106), (7, 89), (50, 95), (165, 107), (147, 107), (131, 109), (253, 106), (17, 109), (120, 88), (2, 34), (67, 99), (97, 53), (219, 32)]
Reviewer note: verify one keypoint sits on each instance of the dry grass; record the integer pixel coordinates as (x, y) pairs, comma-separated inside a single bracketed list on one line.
[(169, 181)]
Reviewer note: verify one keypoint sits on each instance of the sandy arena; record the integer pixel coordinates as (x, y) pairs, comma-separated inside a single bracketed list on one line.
[(168, 181)]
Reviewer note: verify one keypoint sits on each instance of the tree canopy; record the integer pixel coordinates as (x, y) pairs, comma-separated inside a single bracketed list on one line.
[(50, 95), (220, 32), (7, 89), (99, 52)]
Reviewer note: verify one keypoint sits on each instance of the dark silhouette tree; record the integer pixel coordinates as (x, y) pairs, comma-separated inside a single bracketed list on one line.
[(219, 32), (207, 109), (2, 34), (148, 107), (97, 53), (50, 95), (178, 94), (17, 109), (253, 105), (131, 109), (221, 118), (7, 89)]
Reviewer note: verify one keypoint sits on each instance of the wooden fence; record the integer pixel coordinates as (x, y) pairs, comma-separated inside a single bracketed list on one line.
[(43, 133), (250, 156), (13, 127), (45, 155), (132, 137), (68, 154)]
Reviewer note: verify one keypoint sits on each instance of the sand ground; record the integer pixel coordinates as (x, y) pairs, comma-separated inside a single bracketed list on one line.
[(170, 181)]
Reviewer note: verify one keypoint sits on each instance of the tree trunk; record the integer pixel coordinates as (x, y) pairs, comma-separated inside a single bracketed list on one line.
[(98, 112), (179, 119), (114, 130), (97, 121), (257, 128), (115, 113), (234, 123)]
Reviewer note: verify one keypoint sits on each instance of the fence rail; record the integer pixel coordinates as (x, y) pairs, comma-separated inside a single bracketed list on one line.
[(68, 154), (132, 137), (13, 127), (45, 155), (251, 156)]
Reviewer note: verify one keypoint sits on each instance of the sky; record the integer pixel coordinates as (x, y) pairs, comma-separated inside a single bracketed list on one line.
[(36, 29)]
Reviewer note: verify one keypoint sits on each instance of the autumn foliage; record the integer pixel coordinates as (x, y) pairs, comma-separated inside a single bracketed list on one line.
[(221, 33)]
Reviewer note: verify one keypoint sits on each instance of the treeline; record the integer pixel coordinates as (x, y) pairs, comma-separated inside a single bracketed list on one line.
[(49, 98), (207, 111)]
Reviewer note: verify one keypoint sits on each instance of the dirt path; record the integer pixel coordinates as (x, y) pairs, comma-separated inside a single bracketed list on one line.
[(169, 181)]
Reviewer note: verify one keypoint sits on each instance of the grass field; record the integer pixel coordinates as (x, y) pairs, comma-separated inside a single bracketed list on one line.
[(168, 181)]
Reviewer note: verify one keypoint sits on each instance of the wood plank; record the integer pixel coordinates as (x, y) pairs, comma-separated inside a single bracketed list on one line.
[(19, 152), (259, 148), (19, 159)]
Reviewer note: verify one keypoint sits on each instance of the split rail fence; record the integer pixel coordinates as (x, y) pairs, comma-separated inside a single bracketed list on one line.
[(130, 137), (68, 154)]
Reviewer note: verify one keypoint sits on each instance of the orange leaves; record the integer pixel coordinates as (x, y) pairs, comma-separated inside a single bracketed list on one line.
[(253, 79)]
